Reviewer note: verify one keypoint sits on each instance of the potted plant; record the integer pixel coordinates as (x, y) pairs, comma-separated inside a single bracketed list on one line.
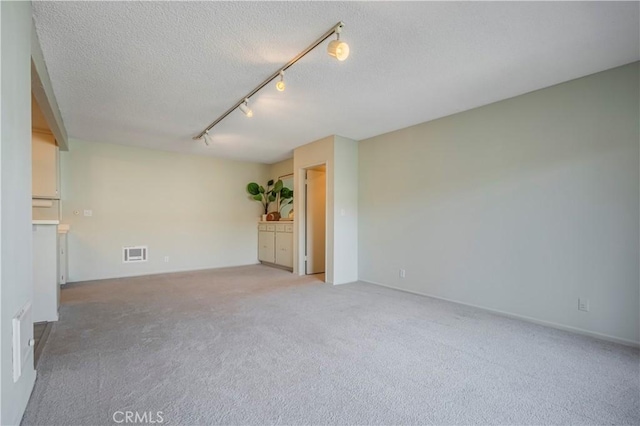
[(266, 195)]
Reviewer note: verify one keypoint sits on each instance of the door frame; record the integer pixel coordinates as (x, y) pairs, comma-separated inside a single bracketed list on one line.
[(301, 218)]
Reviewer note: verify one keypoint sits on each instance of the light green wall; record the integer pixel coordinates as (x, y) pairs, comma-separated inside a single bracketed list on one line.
[(345, 205), (16, 271), (193, 209), (340, 155), (521, 206)]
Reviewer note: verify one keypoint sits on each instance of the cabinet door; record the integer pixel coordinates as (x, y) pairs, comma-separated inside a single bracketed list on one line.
[(44, 156), (45, 273), (284, 249), (62, 258), (266, 246)]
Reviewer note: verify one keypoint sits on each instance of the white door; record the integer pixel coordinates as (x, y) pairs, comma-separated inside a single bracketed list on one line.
[(316, 196)]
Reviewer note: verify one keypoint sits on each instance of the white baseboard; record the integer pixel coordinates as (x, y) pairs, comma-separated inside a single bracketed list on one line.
[(170, 271), (32, 385), (520, 317)]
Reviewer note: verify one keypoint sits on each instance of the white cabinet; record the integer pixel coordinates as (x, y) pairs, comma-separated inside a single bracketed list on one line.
[(45, 182), (284, 249), (275, 243), (266, 246), (62, 254), (46, 291)]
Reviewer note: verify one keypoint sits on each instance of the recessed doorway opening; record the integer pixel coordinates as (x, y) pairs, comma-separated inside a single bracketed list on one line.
[(315, 224)]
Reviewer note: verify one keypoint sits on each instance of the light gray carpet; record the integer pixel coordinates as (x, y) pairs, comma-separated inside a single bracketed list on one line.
[(256, 345)]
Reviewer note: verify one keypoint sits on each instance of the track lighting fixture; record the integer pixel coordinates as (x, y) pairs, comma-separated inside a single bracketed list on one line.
[(337, 48), (207, 138), (244, 107), (281, 84)]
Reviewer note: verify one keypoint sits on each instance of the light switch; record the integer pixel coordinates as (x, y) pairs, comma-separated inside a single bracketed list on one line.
[(88, 212), (583, 304)]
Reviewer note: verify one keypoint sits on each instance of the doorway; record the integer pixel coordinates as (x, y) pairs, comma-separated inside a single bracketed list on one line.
[(315, 219)]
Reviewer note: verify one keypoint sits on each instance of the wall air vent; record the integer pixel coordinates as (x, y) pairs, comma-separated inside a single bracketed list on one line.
[(22, 341), (134, 254)]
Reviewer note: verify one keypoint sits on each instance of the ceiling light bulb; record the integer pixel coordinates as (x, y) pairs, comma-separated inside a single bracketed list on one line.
[(338, 48), (244, 107), (281, 85), (207, 139)]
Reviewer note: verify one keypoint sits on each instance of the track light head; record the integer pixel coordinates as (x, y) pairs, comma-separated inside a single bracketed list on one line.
[(244, 107), (207, 139), (281, 84), (338, 48)]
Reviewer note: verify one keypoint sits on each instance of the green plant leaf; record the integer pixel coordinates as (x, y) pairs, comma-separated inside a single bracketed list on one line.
[(286, 193), (253, 188), (272, 198), (270, 182), (261, 189), (257, 197), (278, 186)]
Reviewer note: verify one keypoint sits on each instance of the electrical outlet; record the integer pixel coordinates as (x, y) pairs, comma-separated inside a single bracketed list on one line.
[(166, 258), (583, 304), (402, 273), (88, 213)]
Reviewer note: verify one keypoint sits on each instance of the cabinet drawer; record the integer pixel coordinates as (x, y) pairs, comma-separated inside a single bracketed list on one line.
[(280, 227), (288, 228), (271, 227), (262, 227)]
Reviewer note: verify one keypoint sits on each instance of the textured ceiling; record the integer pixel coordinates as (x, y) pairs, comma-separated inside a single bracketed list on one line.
[(155, 74)]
